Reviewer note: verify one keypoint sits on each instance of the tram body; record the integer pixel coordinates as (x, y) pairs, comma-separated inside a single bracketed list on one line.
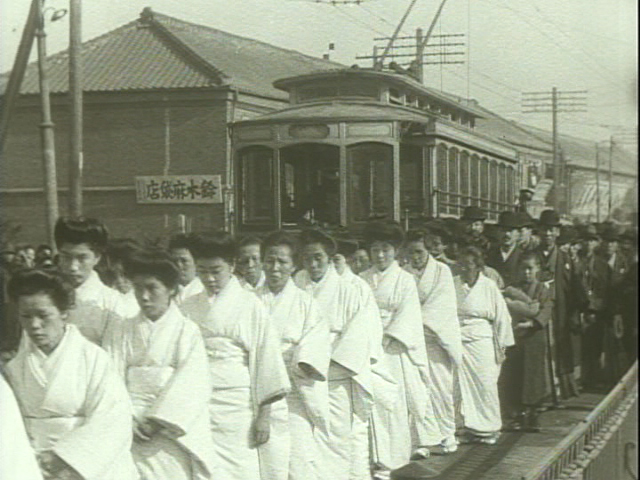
[(357, 144)]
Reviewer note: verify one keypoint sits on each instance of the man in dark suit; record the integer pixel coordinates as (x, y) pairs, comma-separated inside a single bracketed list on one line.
[(559, 273), (505, 256)]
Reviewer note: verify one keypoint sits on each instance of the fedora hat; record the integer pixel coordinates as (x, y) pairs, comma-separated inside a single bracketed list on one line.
[(509, 220), (549, 218), (589, 232), (568, 234), (473, 214)]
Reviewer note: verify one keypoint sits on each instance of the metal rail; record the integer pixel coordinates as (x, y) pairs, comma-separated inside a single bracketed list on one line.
[(591, 449)]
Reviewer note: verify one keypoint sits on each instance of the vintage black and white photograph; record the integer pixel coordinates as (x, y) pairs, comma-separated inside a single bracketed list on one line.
[(318, 240)]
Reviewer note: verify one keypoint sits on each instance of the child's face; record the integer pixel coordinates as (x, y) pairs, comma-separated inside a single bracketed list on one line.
[(529, 270)]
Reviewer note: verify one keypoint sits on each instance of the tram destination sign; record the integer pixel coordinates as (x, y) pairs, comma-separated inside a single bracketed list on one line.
[(179, 189)]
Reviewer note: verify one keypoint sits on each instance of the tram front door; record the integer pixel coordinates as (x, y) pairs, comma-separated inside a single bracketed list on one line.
[(310, 185)]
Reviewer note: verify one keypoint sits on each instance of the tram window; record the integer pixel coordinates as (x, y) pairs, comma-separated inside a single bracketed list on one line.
[(256, 165), (371, 180), (484, 182), (502, 197), (464, 178), (310, 186), (453, 181), (411, 178), (442, 166), (475, 179), (493, 185)]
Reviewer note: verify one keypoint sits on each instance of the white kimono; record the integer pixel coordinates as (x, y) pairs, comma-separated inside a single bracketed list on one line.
[(17, 458), (344, 450), (130, 307), (443, 340), (292, 452), (165, 368), (194, 287), (246, 369), (97, 308), (75, 404), (486, 331), (250, 287), (411, 422)]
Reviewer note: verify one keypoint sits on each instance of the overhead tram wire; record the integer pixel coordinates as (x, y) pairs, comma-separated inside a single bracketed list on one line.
[(358, 21), (590, 55), (552, 40)]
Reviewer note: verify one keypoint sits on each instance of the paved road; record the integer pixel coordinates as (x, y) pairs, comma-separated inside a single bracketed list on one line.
[(514, 455)]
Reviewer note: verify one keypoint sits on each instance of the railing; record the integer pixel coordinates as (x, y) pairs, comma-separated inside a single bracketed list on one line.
[(602, 445)]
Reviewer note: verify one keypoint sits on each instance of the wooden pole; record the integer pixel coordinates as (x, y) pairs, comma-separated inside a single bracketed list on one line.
[(47, 136), (12, 90), (610, 177), (419, 54), (597, 183), (556, 159), (75, 94)]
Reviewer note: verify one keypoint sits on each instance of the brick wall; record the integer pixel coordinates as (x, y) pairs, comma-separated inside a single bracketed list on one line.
[(121, 140)]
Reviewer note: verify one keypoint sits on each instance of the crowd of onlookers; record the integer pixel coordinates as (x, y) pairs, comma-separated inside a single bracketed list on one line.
[(334, 354)]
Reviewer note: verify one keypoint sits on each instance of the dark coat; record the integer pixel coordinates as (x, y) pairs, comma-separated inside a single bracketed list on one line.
[(508, 269), (559, 271)]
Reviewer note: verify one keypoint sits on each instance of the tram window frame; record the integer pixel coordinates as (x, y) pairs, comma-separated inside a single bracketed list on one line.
[(379, 168), (249, 202), (411, 178), (442, 177), (465, 182)]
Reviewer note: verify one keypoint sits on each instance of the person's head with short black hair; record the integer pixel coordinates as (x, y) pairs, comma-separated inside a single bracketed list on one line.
[(471, 263), (81, 243), (43, 300), (117, 252), (215, 256), (179, 248), (279, 259), (416, 249), (384, 239), (249, 261), (529, 267), (317, 248), (155, 278)]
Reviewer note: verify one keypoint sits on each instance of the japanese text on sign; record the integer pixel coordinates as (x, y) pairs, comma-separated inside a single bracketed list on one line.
[(179, 189)]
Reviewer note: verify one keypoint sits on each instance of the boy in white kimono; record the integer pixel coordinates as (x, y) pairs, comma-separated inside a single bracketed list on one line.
[(75, 406), (190, 284), (441, 331), (245, 363), (81, 242), (411, 423), (344, 450), (292, 452), (161, 357)]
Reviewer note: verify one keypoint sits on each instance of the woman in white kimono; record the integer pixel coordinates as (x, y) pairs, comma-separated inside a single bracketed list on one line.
[(343, 447), (246, 367), (411, 422), (441, 331), (17, 458), (75, 406), (160, 355), (292, 452), (81, 243), (486, 333)]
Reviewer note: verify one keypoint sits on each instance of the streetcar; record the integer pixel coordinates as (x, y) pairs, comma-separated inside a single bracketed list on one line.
[(355, 144)]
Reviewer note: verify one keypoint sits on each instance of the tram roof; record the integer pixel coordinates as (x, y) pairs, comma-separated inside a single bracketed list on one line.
[(403, 81), (342, 110)]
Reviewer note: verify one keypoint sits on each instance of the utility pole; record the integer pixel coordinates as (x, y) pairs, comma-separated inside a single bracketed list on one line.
[(12, 90), (380, 61), (597, 183), (75, 94), (555, 102), (610, 210), (46, 130)]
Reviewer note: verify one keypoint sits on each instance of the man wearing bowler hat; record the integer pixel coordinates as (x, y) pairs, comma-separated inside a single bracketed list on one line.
[(473, 218), (559, 272), (527, 241), (505, 256)]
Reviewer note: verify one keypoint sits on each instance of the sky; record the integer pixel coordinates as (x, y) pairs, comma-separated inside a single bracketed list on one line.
[(511, 46)]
